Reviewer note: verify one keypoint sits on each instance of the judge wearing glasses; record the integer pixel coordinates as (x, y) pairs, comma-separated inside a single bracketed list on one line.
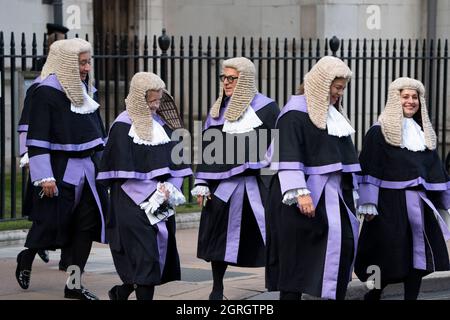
[(231, 188)]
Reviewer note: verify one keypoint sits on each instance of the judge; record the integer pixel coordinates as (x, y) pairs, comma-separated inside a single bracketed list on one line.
[(229, 185), (313, 228), (64, 138), (402, 185), (145, 187)]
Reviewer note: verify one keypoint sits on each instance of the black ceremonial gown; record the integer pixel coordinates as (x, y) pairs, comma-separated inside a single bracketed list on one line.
[(232, 226), (311, 255), (407, 188), (143, 254)]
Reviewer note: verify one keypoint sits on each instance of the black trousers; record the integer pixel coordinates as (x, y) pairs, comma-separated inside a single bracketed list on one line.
[(85, 228)]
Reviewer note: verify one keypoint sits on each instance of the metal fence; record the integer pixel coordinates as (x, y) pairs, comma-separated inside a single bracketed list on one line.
[(191, 67)]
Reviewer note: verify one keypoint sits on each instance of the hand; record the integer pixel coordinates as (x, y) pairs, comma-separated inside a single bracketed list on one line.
[(306, 206), (163, 190), (369, 217), (49, 189), (200, 200)]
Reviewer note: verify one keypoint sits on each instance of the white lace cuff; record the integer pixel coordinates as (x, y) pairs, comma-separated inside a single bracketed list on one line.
[(24, 160), (175, 196), (290, 197), (153, 202), (201, 191), (38, 182), (368, 208)]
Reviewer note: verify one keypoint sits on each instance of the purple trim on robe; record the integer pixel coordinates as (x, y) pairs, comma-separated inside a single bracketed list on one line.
[(259, 101), (22, 143), (37, 80), (234, 171), (176, 182), (416, 212), (40, 167), (355, 181), (143, 175), (200, 181), (415, 216), (22, 128), (442, 186), (220, 120), (123, 117), (52, 81), (445, 199), (269, 153), (233, 190), (333, 253), (77, 170), (226, 188), (368, 193), (330, 184), (254, 197), (139, 190), (234, 224), (74, 173), (158, 119), (296, 103), (291, 180), (292, 165), (65, 147), (162, 238)]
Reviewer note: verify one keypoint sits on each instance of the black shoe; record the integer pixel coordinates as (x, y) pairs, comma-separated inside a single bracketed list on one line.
[(22, 275), (373, 295), (62, 266), (113, 294), (216, 295), (79, 294), (44, 255)]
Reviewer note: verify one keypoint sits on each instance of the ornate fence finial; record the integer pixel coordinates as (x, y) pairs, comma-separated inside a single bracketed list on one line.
[(334, 45)]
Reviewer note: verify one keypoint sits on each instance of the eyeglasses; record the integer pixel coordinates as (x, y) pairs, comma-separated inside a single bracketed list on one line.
[(230, 79)]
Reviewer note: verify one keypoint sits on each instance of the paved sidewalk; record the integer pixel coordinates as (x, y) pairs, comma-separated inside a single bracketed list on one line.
[(47, 282)]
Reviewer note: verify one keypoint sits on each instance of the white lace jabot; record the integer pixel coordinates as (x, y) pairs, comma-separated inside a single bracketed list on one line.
[(246, 123), (89, 106), (159, 135), (337, 125), (413, 137)]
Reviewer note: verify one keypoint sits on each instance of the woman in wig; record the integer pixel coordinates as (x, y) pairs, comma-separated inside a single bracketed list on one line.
[(402, 185)]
